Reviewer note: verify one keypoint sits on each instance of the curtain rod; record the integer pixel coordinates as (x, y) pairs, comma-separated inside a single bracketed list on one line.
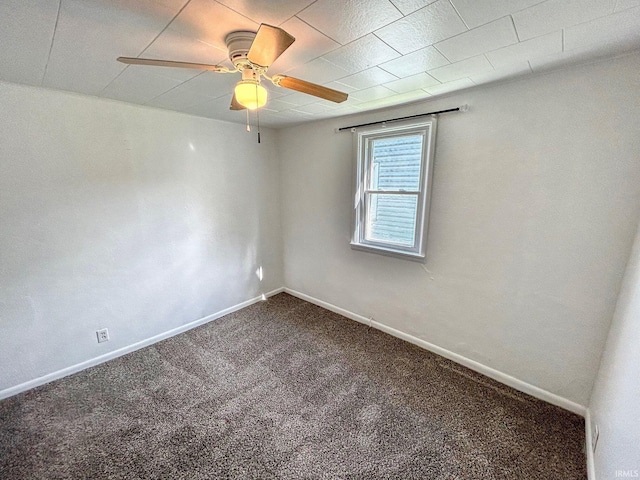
[(462, 108)]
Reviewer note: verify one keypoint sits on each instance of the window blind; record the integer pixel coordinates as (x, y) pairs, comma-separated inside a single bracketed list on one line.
[(395, 167)]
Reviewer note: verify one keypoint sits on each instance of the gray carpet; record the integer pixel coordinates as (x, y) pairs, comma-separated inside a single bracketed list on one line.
[(284, 389)]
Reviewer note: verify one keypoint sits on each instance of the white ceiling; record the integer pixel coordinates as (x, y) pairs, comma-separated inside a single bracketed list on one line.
[(381, 52)]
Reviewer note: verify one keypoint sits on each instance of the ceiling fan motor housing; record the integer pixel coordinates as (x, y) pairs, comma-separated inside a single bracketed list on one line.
[(238, 44), (250, 74)]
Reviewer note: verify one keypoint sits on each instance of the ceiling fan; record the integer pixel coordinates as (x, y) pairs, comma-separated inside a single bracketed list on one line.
[(252, 53)]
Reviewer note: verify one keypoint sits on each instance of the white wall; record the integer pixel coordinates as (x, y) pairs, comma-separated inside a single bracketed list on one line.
[(536, 197), (615, 403), (135, 219)]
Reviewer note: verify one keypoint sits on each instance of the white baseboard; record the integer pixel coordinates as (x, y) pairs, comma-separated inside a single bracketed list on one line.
[(591, 468), (472, 364), (8, 392)]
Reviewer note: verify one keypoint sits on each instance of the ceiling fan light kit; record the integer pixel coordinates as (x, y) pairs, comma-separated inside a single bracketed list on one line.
[(252, 53), (250, 94)]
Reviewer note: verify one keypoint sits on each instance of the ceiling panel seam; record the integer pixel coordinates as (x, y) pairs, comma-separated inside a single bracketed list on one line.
[(55, 28), (145, 48)]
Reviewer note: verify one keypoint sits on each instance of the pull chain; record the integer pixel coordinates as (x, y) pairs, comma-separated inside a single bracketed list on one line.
[(248, 126), (257, 114), (258, 122)]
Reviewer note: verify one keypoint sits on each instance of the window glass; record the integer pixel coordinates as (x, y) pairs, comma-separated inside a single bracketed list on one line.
[(392, 218), (396, 163)]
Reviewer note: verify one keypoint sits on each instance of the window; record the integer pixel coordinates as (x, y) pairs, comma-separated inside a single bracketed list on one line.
[(393, 186)]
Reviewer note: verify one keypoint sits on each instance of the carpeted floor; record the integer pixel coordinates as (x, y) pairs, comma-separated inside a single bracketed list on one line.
[(285, 389)]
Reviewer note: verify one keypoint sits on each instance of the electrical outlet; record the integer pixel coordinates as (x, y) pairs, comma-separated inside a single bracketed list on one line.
[(103, 335), (594, 438)]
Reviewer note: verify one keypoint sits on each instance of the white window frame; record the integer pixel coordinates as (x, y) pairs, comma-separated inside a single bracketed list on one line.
[(363, 139)]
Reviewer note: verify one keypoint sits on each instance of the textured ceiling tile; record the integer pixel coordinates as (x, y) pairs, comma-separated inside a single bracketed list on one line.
[(424, 27), (410, 6), (620, 30), (138, 86), (361, 54), (295, 113), (502, 74), (346, 20), (414, 82), (318, 71), (25, 38), (216, 108), (210, 22), (273, 12), (576, 56), (341, 87), (173, 45), (273, 90), (367, 78), (372, 93), (316, 108), (491, 36), (571, 57), (280, 105), (212, 85), (309, 45), (465, 68), (179, 74), (394, 100), (411, 96), (450, 86), (554, 15), (479, 12), (523, 51), (91, 34), (298, 99), (416, 62), (624, 4), (346, 110)]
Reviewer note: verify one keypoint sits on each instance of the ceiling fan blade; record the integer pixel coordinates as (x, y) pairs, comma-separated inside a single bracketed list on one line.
[(235, 105), (169, 63), (310, 88), (269, 44)]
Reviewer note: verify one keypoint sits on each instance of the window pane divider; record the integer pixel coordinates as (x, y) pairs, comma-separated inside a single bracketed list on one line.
[(393, 192)]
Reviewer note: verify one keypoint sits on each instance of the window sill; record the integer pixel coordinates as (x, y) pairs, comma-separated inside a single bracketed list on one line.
[(414, 257)]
